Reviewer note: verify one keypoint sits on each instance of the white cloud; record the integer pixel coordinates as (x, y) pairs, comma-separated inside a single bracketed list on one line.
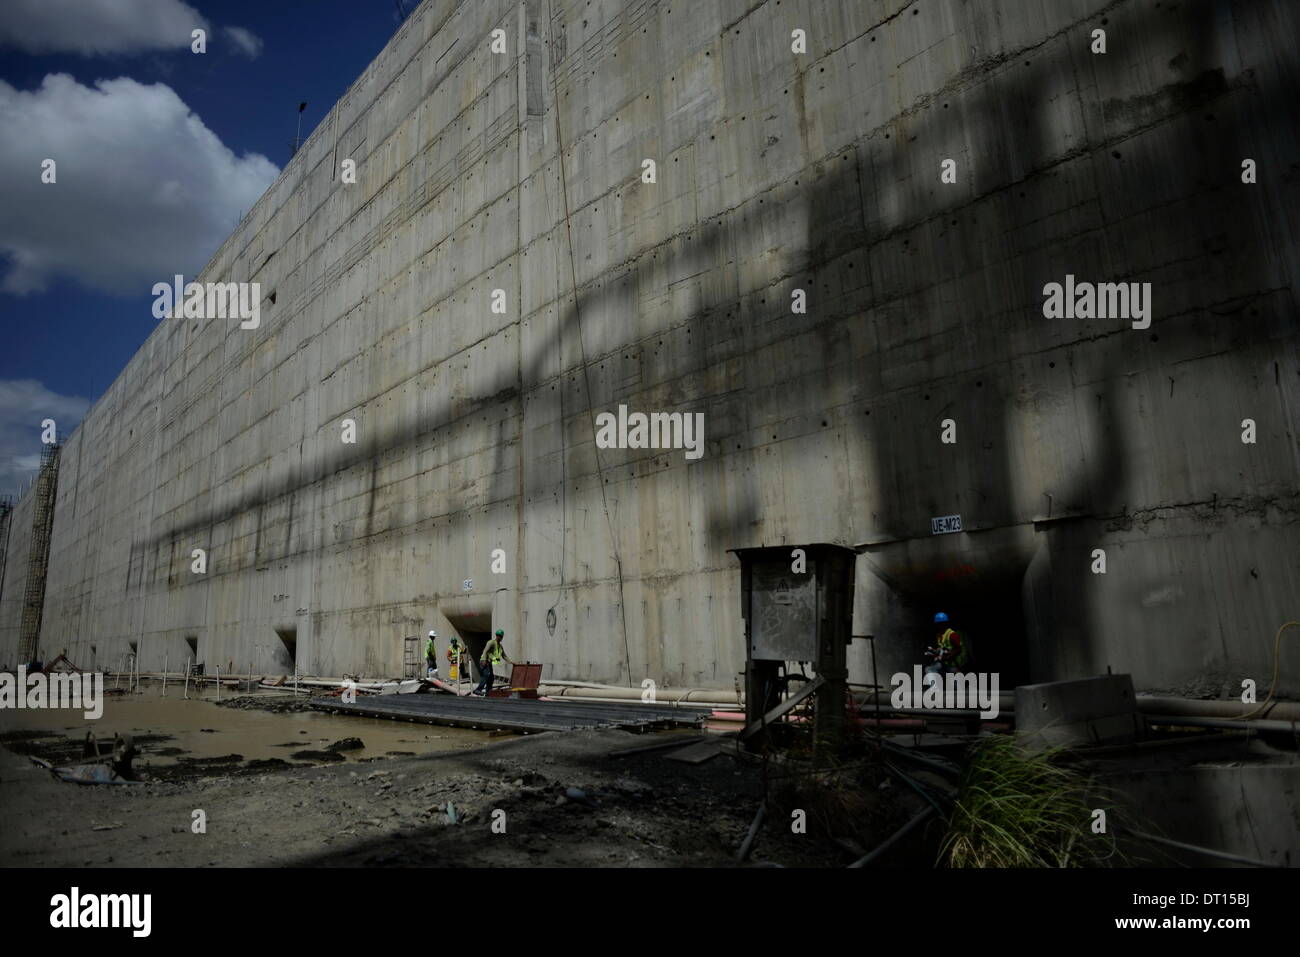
[(246, 42), (24, 403), (143, 191), (91, 27)]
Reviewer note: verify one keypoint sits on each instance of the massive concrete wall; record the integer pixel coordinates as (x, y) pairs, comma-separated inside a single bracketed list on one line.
[(776, 171), (13, 584)]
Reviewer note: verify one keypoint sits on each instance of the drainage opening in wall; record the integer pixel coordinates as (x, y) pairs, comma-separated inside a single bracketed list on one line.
[(470, 617), (475, 641), (285, 655), (980, 592), (993, 622), (472, 633)]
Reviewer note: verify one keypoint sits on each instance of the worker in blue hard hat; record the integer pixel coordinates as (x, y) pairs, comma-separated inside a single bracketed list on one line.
[(950, 653)]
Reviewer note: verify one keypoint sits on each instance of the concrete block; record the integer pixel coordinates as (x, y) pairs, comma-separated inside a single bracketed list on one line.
[(1100, 710)]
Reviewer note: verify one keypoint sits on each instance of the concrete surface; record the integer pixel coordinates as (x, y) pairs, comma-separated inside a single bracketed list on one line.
[(1098, 710), (775, 172)]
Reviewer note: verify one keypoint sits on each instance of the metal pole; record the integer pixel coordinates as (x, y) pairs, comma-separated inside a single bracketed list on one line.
[(875, 681), (218, 682), (165, 657), (866, 859), (187, 678)]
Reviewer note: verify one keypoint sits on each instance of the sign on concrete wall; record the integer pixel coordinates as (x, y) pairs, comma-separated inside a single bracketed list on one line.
[(945, 524)]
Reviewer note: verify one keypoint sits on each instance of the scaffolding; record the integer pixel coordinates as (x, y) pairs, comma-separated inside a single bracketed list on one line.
[(47, 481), (412, 659)]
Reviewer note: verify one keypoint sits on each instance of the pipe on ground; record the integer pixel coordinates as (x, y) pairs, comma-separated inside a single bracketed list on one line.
[(712, 696), (1252, 724), (1215, 708), (898, 835), (1150, 705)]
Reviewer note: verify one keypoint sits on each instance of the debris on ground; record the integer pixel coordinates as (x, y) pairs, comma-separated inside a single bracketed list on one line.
[(317, 756), (434, 809)]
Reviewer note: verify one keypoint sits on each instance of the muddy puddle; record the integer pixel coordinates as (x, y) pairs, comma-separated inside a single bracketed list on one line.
[(175, 737)]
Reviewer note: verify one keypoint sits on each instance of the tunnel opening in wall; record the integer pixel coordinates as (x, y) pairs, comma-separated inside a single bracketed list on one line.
[(976, 581), (285, 654), (470, 617)]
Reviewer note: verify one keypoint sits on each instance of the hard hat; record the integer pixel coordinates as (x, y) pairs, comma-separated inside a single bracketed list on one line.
[(433, 634), (940, 617), (500, 633)]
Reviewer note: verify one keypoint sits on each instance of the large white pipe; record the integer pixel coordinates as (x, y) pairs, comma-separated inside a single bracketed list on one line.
[(596, 699), (715, 696), (1152, 705), (1216, 708)]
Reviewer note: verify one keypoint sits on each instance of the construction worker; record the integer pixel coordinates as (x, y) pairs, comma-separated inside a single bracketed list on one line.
[(431, 655), (454, 655), (951, 652), (491, 657)]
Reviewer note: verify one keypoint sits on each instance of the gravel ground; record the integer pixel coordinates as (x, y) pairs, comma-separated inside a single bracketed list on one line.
[(540, 800)]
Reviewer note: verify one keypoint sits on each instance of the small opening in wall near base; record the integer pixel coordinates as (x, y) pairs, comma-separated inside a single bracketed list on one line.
[(287, 655)]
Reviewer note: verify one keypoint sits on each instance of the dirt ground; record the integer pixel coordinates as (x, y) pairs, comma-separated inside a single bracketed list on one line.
[(280, 784), (560, 799)]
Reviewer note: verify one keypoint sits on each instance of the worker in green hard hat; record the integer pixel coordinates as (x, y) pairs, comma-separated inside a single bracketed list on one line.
[(455, 658), (491, 657)]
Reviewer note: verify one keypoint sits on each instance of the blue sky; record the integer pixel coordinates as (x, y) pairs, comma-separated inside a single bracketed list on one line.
[(158, 152)]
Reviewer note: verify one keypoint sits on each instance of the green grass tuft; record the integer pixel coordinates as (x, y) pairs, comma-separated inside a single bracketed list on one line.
[(1017, 808)]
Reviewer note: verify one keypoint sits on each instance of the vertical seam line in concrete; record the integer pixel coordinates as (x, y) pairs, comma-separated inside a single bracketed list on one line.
[(521, 121), (586, 372)]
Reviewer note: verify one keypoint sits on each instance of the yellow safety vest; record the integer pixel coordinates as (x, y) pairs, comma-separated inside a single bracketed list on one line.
[(945, 648)]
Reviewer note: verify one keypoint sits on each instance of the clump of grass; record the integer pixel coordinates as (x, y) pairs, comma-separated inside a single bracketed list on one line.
[(1017, 808)]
